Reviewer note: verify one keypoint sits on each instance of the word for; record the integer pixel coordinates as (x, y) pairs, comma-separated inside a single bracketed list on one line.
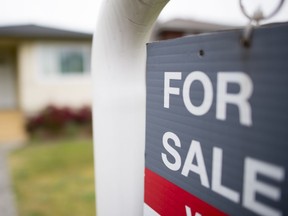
[(223, 97), (252, 168)]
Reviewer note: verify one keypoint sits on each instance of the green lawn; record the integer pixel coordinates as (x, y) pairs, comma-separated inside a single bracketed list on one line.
[(54, 179)]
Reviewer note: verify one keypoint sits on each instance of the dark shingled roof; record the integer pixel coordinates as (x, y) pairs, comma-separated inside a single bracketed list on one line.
[(40, 32)]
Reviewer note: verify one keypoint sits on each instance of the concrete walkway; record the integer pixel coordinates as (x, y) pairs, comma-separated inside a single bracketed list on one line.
[(7, 199)]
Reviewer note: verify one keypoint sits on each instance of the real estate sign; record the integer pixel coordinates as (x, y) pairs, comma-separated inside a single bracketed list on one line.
[(217, 125)]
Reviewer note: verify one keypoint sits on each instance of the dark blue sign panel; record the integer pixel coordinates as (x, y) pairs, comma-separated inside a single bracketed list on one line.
[(217, 125)]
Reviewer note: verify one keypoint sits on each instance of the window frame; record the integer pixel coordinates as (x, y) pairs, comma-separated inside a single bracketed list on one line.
[(49, 60)]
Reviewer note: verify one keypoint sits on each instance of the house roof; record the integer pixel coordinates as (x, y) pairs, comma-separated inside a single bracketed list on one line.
[(40, 32), (187, 25)]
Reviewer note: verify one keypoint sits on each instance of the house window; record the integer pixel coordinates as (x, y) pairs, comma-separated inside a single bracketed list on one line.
[(72, 62), (61, 60)]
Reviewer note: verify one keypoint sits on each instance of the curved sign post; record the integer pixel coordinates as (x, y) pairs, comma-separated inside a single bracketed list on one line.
[(118, 65)]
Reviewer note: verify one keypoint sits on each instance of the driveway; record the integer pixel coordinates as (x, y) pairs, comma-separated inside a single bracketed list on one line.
[(7, 199)]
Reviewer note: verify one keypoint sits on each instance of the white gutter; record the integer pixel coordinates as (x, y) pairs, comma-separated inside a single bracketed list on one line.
[(118, 65)]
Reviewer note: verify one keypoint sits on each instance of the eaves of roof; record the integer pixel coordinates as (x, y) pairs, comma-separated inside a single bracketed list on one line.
[(41, 32)]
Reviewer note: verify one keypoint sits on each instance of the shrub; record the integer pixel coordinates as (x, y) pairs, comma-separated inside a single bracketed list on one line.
[(60, 121)]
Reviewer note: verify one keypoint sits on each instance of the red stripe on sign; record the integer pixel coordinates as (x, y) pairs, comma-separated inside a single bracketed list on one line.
[(167, 199)]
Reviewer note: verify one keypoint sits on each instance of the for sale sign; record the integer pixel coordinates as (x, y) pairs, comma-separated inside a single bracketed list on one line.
[(217, 125)]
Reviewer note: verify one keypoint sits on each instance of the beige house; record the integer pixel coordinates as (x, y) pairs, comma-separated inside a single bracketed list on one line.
[(40, 66)]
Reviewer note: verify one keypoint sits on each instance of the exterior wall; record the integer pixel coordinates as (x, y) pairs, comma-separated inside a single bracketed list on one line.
[(38, 91)]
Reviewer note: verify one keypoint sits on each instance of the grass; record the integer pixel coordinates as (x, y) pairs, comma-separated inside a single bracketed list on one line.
[(54, 179)]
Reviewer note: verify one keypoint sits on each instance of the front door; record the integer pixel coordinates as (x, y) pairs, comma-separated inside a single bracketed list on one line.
[(8, 93)]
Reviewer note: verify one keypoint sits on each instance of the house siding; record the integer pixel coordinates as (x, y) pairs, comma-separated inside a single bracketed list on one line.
[(38, 91)]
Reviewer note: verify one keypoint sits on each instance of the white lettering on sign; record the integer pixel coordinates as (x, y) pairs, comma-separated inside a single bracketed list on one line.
[(240, 99), (217, 177), (168, 89), (252, 168), (208, 93), (177, 159), (223, 97), (189, 212), (252, 186), (195, 151)]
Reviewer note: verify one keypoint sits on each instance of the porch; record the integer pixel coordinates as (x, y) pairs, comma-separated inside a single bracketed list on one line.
[(12, 124)]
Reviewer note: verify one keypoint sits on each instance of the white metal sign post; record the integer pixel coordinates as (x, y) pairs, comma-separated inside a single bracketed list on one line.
[(123, 28)]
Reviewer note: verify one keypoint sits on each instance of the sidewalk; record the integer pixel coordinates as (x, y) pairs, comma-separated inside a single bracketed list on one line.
[(7, 199)]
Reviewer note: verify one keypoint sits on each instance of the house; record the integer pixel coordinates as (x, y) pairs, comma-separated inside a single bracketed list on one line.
[(182, 27), (40, 66)]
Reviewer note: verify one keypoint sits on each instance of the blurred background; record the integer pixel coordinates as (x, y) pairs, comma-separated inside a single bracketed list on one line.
[(46, 150)]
